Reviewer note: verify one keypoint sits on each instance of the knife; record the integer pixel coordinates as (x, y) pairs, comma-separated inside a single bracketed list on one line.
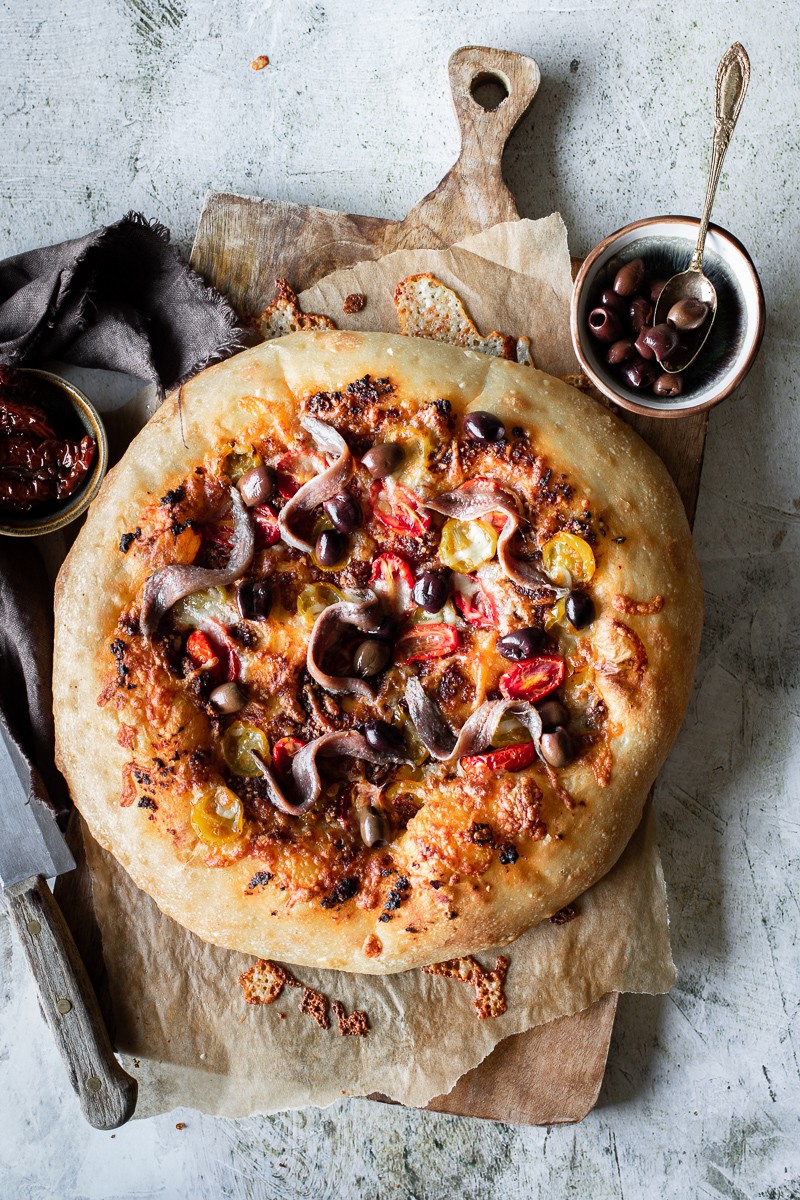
[(33, 850)]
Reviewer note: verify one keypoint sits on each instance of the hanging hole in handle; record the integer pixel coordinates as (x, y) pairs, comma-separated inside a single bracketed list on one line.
[(489, 90)]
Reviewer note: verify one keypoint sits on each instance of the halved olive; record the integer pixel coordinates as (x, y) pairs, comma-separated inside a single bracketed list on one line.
[(383, 737), (370, 658), (521, 644), (254, 599), (331, 549), (381, 460)]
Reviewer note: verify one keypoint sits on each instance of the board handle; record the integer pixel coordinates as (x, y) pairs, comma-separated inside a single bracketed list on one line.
[(472, 196)]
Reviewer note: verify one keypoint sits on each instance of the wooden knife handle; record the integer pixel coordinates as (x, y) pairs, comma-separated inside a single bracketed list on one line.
[(472, 196), (107, 1094)]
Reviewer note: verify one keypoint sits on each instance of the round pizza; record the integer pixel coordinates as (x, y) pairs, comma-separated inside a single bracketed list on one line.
[(370, 650)]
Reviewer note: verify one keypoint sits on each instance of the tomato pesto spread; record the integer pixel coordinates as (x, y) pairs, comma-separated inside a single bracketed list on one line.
[(395, 605)]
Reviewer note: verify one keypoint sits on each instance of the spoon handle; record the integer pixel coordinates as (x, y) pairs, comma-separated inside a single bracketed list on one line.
[(733, 76)]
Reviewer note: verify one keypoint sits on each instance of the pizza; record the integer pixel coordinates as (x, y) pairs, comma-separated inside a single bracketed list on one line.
[(370, 650)]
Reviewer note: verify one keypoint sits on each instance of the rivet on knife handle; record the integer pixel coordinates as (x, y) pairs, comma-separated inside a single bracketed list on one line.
[(107, 1094)]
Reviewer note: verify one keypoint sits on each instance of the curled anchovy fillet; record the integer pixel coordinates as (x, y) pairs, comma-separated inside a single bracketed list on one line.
[(168, 585), (324, 486), (476, 733), (350, 744), (472, 503), (276, 796), (366, 616)]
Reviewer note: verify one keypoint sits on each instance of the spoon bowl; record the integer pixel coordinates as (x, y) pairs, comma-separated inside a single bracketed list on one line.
[(688, 285)]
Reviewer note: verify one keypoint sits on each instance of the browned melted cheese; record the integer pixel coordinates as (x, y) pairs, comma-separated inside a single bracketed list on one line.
[(174, 733)]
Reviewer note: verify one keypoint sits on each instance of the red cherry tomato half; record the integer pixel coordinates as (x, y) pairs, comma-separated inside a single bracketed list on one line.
[(200, 650), (392, 580), (474, 602), (424, 641), (268, 531), (533, 678), (283, 753), (510, 758), (399, 509), (294, 469), (215, 651)]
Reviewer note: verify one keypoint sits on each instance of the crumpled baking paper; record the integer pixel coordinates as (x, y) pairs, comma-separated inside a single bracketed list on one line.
[(181, 1022)]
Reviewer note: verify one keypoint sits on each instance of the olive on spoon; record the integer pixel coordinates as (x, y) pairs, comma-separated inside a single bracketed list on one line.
[(688, 301)]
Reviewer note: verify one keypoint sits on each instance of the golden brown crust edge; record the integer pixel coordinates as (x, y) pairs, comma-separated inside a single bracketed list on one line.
[(603, 455)]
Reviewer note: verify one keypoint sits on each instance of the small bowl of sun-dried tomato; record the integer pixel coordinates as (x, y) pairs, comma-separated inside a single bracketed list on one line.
[(53, 452)]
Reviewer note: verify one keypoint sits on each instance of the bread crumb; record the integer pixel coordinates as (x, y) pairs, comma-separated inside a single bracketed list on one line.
[(181, 1125), (283, 315), (315, 1005), (259, 63), (264, 981), (355, 1025), (490, 1000), (354, 303)]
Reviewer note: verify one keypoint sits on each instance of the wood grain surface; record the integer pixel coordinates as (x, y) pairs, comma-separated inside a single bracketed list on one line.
[(106, 1093)]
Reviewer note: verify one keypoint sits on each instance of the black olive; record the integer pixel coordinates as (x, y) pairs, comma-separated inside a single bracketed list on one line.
[(484, 426), (370, 658), (521, 643), (552, 713), (431, 591), (579, 609), (331, 547), (344, 511), (556, 747), (381, 460), (254, 599), (383, 737)]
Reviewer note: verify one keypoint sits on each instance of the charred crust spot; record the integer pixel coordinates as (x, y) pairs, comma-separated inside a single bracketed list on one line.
[(260, 879), (481, 834), (384, 917), (173, 496), (345, 890), (564, 915), (117, 648), (508, 854), (127, 539), (147, 802)]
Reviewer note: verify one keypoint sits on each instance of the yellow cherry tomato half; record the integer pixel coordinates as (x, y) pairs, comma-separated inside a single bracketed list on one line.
[(568, 559), (315, 598), (556, 614), (237, 742), (467, 545), (217, 817)]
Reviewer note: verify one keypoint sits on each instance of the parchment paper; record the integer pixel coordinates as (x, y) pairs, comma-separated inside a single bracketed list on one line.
[(182, 1025)]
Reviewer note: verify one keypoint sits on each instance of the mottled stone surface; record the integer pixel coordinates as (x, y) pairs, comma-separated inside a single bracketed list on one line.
[(143, 104)]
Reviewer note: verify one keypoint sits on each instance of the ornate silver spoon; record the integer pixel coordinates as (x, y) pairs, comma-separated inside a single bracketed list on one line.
[(691, 289)]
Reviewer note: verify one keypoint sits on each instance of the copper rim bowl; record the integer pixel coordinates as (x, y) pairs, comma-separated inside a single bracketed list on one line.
[(85, 420), (666, 244)]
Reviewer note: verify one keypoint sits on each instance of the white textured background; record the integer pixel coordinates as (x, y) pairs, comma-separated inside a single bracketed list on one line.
[(114, 104)]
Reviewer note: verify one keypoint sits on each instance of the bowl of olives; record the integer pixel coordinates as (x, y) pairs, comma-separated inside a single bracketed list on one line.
[(613, 305)]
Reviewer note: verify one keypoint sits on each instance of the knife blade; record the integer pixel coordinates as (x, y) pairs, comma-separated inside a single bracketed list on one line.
[(32, 849), (30, 843)]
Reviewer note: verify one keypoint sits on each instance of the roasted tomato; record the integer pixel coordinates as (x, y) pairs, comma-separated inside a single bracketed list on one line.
[(426, 640), (474, 602), (217, 817), (214, 649), (268, 531), (398, 508), (392, 581), (467, 545), (533, 678), (238, 740), (568, 559), (294, 469), (283, 753), (315, 598), (510, 758)]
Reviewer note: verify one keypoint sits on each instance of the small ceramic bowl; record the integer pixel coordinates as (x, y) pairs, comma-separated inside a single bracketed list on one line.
[(74, 417), (666, 245)]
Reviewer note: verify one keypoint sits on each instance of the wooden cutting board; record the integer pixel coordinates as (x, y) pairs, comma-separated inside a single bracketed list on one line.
[(551, 1074)]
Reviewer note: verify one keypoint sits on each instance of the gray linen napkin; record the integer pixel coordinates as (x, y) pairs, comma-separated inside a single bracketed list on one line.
[(118, 298)]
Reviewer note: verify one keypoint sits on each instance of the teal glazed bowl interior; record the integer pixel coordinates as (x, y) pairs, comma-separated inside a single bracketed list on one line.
[(74, 417), (666, 245)]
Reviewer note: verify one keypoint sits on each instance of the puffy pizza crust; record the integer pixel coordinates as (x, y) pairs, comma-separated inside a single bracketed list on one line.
[(606, 462)]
